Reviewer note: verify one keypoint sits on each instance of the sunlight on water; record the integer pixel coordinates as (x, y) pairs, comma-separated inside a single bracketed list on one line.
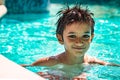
[(27, 41)]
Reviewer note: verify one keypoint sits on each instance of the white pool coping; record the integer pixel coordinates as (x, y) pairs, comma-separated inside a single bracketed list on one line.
[(12, 71)]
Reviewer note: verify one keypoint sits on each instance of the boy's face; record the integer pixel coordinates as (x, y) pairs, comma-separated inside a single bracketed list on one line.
[(76, 38)]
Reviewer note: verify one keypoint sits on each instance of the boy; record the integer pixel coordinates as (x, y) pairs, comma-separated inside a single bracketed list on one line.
[(75, 30)]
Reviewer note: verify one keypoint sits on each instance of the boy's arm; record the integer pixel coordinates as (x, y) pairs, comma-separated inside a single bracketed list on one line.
[(48, 61), (105, 63), (113, 64), (25, 65)]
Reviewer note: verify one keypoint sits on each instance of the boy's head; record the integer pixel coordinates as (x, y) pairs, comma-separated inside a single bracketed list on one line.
[(75, 29), (71, 15)]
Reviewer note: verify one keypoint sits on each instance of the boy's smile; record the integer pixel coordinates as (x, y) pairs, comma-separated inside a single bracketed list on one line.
[(76, 38)]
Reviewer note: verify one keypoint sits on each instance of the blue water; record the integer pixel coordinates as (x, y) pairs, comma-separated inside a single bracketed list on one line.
[(25, 41)]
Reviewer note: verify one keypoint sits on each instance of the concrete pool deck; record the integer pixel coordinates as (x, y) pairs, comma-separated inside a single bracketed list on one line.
[(12, 71)]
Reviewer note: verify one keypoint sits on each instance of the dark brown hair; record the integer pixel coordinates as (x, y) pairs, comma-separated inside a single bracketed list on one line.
[(74, 14)]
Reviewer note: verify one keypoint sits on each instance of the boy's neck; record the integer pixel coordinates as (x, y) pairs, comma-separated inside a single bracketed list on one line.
[(71, 59)]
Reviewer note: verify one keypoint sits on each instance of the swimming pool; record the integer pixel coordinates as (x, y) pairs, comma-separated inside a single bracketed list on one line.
[(25, 41)]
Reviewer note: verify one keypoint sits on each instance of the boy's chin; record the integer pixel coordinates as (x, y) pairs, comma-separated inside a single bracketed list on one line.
[(79, 54)]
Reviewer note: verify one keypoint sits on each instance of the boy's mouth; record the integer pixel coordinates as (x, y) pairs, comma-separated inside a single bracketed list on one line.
[(79, 48)]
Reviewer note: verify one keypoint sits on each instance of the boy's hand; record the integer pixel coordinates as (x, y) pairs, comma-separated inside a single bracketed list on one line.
[(25, 65), (55, 77), (82, 76), (52, 77), (113, 64)]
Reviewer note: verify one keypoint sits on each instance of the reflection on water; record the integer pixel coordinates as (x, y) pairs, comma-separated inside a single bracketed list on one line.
[(26, 6)]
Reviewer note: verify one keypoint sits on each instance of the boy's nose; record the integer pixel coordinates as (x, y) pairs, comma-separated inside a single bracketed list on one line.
[(79, 42)]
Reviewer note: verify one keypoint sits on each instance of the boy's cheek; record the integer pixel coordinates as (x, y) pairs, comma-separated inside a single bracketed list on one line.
[(89, 40)]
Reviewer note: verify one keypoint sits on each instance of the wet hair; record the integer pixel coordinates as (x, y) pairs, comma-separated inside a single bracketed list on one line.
[(74, 14)]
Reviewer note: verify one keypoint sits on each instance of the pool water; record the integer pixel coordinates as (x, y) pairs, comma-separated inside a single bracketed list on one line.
[(25, 41)]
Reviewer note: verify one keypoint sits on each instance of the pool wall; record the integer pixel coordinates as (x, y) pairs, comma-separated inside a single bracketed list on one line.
[(11, 71)]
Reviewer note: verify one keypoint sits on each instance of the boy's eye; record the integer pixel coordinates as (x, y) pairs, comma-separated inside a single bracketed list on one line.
[(72, 36), (86, 36)]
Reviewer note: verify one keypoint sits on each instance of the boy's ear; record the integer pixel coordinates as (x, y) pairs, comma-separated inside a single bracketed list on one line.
[(60, 39), (92, 36)]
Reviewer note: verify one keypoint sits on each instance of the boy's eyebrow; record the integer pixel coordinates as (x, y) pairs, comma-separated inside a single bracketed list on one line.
[(71, 33), (87, 32)]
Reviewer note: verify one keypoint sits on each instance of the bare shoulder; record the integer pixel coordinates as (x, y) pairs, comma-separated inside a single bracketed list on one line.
[(93, 60), (47, 61), (88, 59)]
